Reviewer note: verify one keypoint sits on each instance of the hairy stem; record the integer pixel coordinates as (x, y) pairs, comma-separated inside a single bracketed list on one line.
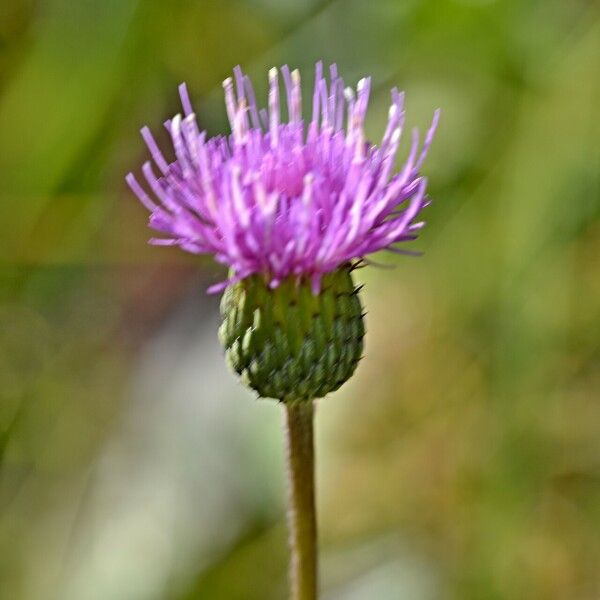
[(302, 518)]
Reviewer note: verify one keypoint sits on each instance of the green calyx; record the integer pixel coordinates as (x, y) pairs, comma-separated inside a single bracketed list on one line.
[(289, 344)]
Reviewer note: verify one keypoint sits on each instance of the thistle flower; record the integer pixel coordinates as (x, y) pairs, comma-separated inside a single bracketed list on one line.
[(287, 206), (286, 199), (291, 208)]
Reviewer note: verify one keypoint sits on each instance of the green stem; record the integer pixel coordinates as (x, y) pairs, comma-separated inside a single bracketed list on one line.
[(302, 518)]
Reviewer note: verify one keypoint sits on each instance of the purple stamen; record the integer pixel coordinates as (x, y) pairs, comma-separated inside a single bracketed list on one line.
[(283, 199)]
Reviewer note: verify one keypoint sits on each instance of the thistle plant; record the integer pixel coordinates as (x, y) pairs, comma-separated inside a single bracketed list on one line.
[(291, 208)]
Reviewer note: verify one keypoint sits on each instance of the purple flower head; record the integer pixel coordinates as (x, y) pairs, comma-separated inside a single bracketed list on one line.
[(286, 198)]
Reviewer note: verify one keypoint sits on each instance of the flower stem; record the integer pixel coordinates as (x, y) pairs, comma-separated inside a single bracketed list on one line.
[(302, 518)]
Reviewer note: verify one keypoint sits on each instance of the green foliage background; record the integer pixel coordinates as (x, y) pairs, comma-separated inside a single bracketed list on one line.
[(462, 461)]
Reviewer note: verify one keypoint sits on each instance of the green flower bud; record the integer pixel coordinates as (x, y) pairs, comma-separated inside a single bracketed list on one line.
[(289, 344)]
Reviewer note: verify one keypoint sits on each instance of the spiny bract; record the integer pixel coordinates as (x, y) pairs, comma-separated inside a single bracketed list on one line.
[(288, 343)]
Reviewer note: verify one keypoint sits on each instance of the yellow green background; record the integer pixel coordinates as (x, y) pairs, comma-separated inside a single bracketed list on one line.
[(461, 462)]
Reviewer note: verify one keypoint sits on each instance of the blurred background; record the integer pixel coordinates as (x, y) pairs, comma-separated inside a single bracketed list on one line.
[(463, 459)]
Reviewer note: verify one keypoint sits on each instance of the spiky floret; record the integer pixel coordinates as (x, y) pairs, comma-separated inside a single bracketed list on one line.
[(286, 199), (289, 344)]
